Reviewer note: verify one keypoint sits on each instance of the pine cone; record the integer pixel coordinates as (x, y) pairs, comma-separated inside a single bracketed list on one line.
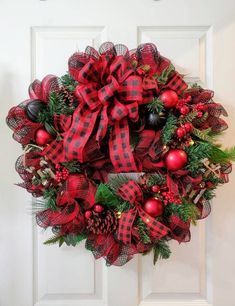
[(68, 96), (102, 223)]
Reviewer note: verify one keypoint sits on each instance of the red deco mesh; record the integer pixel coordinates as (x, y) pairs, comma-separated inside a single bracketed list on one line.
[(24, 129), (204, 208), (114, 252)]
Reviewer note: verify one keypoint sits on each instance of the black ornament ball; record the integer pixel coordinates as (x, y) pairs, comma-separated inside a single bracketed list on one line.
[(155, 121), (33, 108)]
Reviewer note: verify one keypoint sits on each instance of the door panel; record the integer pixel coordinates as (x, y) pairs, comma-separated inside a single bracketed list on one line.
[(37, 38)]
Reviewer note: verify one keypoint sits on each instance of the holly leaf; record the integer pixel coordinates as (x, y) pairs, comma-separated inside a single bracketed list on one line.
[(105, 196)]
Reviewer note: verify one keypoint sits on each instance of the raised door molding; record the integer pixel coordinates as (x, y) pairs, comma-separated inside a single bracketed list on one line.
[(52, 46), (189, 48)]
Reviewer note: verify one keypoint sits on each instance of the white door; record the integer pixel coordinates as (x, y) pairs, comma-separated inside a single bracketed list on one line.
[(36, 38)]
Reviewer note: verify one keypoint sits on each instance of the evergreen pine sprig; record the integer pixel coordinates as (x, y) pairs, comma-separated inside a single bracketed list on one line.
[(220, 156), (73, 166), (155, 106), (143, 231), (186, 211), (72, 239), (54, 239), (156, 179), (56, 106), (161, 250), (117, 181), (48, 201), (68, 82), (165, 74), (69, 239), (203, 134), (196, 153), (50, 195), (208, 194), (188, 118), (169, 129), (123, 207)]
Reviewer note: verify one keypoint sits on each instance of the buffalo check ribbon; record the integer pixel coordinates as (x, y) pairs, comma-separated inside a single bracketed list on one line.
[(132, 193), (109, 104)]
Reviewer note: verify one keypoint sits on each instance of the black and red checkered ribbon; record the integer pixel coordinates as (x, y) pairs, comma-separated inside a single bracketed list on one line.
[(132, 193), (110, 90)]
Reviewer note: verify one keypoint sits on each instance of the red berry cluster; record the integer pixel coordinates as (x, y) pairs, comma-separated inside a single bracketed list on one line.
[(97, 208), (200, 108), (170, 197), (62, 173), (182, 107), (184, 129)]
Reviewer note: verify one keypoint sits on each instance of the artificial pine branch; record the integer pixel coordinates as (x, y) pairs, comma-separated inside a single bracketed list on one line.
[(53, 240), (169, 129), (196, 153), (219, 156), (72, 239), (56, 106), (117, 181), (208, 194), (156, 106), (156, 179), (161, 250), (73, 166), (50, 196), (186, 211), (105, 196), (69, 82), (188, 118), (203, 134), (165, 74), (123, 207), (143, 231)]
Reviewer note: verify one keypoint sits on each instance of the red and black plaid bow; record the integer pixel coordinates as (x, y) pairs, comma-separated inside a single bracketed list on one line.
[(132, 193), (109, 93)]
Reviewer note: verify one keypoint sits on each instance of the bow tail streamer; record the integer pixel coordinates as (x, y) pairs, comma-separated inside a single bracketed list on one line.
[(120, 149), (125, 226), (157, 229), (76, 138)]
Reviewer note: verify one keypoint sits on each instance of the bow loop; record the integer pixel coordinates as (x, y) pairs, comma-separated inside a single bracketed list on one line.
[(109, 90), (131, 192)]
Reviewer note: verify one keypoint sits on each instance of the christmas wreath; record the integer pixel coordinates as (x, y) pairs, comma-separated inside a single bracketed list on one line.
[(120, 151)]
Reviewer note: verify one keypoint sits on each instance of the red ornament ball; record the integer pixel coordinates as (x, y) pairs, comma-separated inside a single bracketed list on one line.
[(169, 98), (42, 137), (181, 132), (153, 207), (175, 159), (98, 208), (88, 214), (188, 126), (155, 188)]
